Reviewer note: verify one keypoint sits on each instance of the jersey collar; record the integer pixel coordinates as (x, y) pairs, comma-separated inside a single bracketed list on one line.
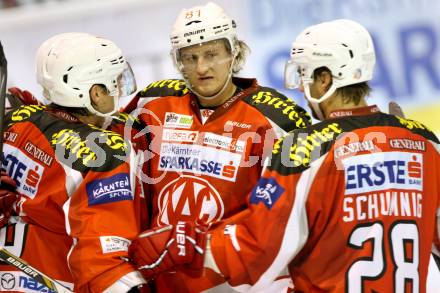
[(354, 111)]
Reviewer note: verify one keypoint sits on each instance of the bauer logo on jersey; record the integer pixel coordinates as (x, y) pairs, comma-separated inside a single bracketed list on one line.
[(110, 189), (25, 171), (198, 159), (268, 191), (381, 171), (174, 120)]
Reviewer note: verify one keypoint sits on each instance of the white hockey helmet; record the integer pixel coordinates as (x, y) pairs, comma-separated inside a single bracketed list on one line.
[(343, 46), (202, 24), (69, 64)]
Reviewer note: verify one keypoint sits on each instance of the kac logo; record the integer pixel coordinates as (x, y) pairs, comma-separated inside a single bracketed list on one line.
[(189, 198), (268, 191)]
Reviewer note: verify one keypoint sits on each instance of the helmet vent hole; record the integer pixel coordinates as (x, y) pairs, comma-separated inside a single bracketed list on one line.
[(104, 45), (344, 45), (201, 37), (65, 77), (80, 95), (351, 53), (70, 68), (188, 40)]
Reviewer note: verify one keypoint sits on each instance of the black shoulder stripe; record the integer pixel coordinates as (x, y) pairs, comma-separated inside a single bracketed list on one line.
[(163, 88), (415, 127), (278, 108), (127, 119), (79, 146), (294, 152)]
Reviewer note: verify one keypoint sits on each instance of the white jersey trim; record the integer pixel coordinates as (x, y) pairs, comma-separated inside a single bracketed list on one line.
[(279, 132), (436, 146), (73, 179), (125, 283)]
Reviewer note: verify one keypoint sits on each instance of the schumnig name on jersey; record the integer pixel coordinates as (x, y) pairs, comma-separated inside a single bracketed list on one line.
[(377, 205)]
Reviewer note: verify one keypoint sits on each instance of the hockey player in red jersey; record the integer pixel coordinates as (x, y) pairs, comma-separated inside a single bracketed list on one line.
[(80, 201), (209, 131), (349, 204)]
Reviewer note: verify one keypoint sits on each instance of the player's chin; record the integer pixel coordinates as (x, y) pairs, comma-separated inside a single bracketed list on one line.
[(207, 91)]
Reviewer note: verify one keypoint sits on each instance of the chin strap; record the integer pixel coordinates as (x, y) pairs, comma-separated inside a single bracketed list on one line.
[(315, 102)]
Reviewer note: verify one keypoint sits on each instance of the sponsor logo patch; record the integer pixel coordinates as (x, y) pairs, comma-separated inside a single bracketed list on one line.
[(353, 148), (268, 191), (10, 136), (38, 153), (189, 198), (198, 159), (110, 189), (224, 142), (409, 144), (382, 171), (173, 135), (20, 282), (174, 120), (25, 171), (114, 244), (7, 281)]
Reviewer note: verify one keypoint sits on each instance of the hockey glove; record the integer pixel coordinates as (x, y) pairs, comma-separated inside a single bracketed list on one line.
[(22, 97), (161, 249), (8, 197)]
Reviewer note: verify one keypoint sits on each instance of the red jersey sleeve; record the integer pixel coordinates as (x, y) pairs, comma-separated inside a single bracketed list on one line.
[(103, 216)]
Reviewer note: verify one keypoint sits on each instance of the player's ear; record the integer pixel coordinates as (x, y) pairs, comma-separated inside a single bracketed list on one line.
[(96, 93), (325, 79)]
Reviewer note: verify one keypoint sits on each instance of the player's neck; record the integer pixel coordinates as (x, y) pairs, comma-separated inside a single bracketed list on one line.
[(91, 119), (225, 95)]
